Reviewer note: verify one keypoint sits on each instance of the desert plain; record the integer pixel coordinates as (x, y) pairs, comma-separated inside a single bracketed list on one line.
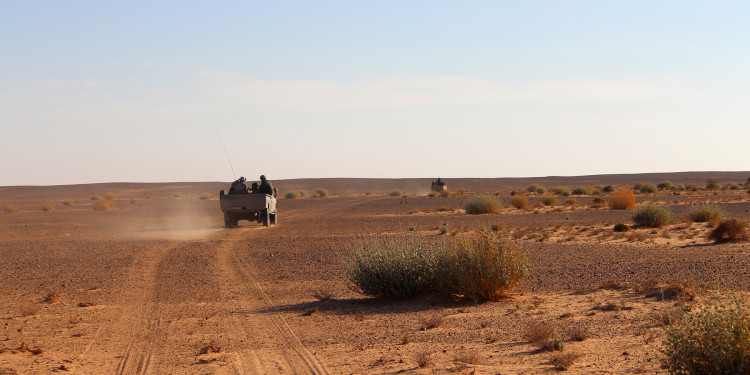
[(155, 284)]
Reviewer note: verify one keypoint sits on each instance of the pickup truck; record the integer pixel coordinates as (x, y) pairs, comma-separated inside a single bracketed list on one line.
[(253, 207)]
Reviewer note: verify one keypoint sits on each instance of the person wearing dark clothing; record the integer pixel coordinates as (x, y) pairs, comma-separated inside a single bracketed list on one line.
[(254, 188), (265, 186), (238, 187)]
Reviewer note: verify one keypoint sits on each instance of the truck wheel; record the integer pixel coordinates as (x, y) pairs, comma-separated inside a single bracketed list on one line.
[(273, 218), (229, 221), (265, 216)]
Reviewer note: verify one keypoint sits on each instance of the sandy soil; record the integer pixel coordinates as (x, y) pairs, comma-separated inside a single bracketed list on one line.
[(157, 285)]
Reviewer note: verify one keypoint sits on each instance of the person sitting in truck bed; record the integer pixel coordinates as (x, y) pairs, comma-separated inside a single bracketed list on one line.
[(254, 188), (238, 187), (265, 186)]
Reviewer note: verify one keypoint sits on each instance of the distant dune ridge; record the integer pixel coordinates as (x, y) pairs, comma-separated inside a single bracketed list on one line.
[(419, 186)]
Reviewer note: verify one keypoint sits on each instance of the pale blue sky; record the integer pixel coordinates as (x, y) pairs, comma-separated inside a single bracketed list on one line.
[(94, 91)]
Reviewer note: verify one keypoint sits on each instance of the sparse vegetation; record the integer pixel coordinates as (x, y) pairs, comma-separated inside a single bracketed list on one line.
[(652, 216), (67, 202), (205, 196), (732, 186), (536, 188), (712, 184), (564, 361), (112, 196), (48, 207), (620, 227), (320, 193), (423, 359), (648, 188), (396, 193), (471, 357), (729, 230), (10, 209), (292, 195), (702, 213), (103, 204), (549, 201), (622, 199), (664, 185), (519, 201), (714, 338), (433, 194), (542, 336), (561, 190), (581, 190), (608, 189), (570, 202), (482, 205), (461, 192)]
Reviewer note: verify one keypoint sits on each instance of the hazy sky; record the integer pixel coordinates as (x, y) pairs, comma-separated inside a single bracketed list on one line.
[(102, 91)]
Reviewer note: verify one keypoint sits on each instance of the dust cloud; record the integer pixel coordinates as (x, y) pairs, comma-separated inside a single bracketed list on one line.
[(178, 224)]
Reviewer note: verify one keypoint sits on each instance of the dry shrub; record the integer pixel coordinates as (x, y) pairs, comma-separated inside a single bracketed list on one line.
[(52, 298), (536, 188), (406, 339), (103, 205), (570, 202), (578, 333), (443, 209), (396, 193), (702, 213), (48, 207), (712, 184), (292, 195), (433, 194), (324, 295), (483, 267), (110, 196), (432, 321), (67, 202), (549, 201), (598, 203), (564, 361), (622, 199), (424, 359), (205, 196), (471, 357), (10, 209), (482, 205), (461, 192), (561, 190), (712, 339), (311, 311), (652, 216), (729, 230), (320, 193), (519, 202), (392, 268), (542, 336), (620, 227), (582, 190), (682, 292), (209, 348)]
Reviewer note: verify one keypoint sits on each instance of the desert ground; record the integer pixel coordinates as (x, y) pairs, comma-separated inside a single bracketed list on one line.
[(156, 284)]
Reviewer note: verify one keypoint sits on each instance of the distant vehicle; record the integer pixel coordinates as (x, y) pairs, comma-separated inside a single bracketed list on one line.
[(252, 207), (439, 185)]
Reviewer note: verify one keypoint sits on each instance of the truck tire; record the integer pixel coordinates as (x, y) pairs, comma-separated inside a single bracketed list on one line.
[(265, 216), (229, 220), (273, 218)]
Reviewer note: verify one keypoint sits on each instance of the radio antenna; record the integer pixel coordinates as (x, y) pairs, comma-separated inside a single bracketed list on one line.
[(226, 153)]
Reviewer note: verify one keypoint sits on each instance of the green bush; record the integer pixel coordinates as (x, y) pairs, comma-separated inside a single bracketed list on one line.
[(732, 186), (648, 188), (652, 216), (638, 185), (608, 189), (701, 213), (519, 201), (482, 205), (561, 190), (679, 187), (581, 190), (393, 268), (320, 193), (664, 185), (484, 267), (396, 193), (712, 339), (536, 188)]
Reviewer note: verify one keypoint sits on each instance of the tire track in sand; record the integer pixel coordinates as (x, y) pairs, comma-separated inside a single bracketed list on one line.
[(278, 349)]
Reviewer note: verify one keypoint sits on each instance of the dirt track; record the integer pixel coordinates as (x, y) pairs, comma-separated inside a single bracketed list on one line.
[(159, 286)]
